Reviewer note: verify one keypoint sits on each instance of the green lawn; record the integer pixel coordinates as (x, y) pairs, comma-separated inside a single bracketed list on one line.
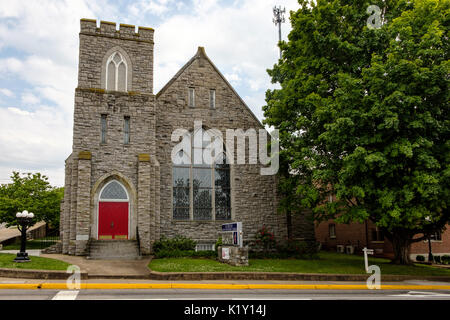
[(327, 263), (6, 261)]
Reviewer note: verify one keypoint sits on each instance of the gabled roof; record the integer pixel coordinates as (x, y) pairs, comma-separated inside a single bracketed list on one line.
[(201, 53)]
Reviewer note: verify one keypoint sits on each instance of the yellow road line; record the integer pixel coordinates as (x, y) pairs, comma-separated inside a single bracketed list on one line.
[(209, 286)]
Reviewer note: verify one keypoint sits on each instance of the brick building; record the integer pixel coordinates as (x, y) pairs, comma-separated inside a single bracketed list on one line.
[(356, 236), (121, 183)]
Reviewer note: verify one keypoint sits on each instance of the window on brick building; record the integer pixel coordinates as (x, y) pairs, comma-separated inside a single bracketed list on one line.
[(332, 230), (201, 191), (212, 99), (191, 97), (377, 234), (126, 130), (103, 128), (116, 73), (437, 236)]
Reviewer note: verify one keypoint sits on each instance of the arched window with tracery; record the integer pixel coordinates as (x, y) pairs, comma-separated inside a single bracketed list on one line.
[(116, 72), (201, 191)]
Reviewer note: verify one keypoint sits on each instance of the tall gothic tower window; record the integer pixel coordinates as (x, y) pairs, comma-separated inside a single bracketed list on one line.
[(116, 73)]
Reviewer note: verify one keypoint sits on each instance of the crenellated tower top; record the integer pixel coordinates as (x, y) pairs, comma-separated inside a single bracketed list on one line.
[(132, 68), (109, 29)]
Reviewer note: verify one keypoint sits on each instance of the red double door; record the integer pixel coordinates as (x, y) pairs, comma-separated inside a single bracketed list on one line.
[(112, 220)]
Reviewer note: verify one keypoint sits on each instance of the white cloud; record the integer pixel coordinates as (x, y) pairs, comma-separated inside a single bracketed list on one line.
[(156, 7), (29, 143), (29, 99), (6, 92), (233, 78), (240, 38)]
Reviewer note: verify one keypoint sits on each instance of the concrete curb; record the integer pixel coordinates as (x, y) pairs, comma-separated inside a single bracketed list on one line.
[(283, 276), (201, 276), (208, 286), (38, 274)]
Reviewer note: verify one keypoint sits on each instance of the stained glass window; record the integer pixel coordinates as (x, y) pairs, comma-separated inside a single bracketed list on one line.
[(201, 191), (114, 191)]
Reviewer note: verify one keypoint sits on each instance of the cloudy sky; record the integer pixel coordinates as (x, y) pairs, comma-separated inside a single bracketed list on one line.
[(39, 59)]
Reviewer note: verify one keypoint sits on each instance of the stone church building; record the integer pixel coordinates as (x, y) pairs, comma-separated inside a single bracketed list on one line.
[(121, 185)]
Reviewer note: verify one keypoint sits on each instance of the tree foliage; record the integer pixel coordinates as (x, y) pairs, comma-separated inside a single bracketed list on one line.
[(31, 192), (364, 114)]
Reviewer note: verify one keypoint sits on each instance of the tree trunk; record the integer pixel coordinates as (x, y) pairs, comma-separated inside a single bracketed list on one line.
[(401, 244)]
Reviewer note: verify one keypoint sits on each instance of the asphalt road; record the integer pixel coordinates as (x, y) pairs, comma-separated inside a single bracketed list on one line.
[(185, 294)]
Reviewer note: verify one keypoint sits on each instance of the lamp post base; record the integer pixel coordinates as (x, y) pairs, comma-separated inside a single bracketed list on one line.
[(22, 257)]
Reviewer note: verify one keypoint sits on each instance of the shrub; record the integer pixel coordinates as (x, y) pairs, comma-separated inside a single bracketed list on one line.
[(217, 245), (420, 258), (437, 259), (445, 259), (176, 253), (265, 239), (178, 243), (204, 254)]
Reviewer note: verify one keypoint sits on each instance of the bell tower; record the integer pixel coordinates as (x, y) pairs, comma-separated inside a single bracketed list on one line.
[(113, 135)]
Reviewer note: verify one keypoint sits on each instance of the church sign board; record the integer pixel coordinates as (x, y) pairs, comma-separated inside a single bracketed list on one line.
[(232, 234)]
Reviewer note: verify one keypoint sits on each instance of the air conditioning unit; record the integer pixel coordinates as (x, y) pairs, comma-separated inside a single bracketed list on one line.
[(349, 249), (340, 248)]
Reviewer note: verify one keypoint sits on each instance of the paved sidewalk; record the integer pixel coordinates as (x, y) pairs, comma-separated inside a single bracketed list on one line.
[(106, 268), (32, 252)]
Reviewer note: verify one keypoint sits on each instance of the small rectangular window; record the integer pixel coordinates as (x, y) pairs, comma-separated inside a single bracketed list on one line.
[(212, 99), (332, 230), (437, 236), (103, 128), (377, 235), (191, 97), (126, 130)]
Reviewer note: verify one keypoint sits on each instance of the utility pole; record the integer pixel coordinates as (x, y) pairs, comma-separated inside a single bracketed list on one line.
[(278, 19)]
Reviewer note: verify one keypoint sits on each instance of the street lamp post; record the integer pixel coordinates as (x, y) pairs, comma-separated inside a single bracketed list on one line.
[(430, 253), (24, 219)]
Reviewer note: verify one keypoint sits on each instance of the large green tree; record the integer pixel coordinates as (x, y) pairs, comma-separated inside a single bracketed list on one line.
[(31, 192), (363, 114)]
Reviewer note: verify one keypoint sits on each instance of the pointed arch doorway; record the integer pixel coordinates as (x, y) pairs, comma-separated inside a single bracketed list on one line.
[(113, 212)]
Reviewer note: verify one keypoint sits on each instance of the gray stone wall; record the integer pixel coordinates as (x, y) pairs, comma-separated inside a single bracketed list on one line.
[(253, 196)]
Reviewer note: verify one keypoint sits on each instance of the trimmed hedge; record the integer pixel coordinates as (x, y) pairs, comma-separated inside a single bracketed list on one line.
[(185, 253), (445, 259), (178, 243), (420, 258), (178, 247)]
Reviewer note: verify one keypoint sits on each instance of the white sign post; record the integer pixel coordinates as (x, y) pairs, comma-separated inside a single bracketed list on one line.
[(366, 261)]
